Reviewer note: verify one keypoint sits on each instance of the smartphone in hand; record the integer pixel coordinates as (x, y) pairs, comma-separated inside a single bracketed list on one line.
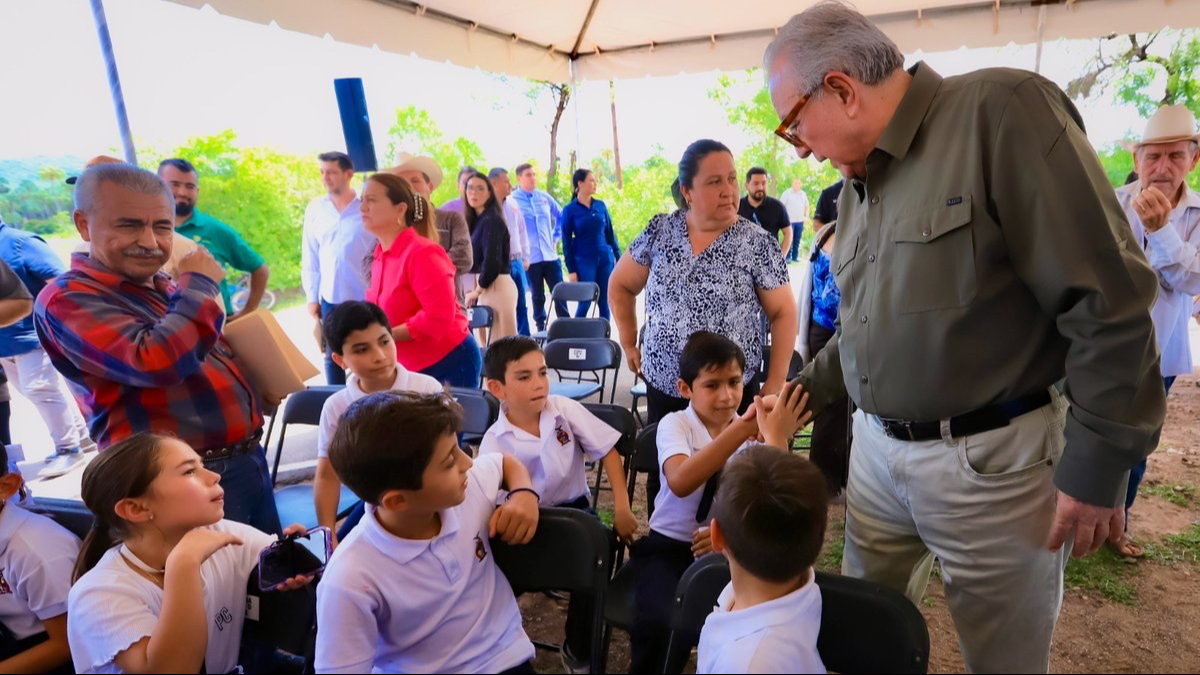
[(303, 554)]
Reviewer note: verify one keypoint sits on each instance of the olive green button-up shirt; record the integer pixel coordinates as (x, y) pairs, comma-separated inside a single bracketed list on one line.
[(985, 257)]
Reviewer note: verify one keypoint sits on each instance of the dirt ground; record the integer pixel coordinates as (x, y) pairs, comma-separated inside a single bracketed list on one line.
[(1118, 616)]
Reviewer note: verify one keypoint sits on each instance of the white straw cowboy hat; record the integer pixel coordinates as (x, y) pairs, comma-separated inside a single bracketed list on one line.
[(422, 163), (1169, 124)]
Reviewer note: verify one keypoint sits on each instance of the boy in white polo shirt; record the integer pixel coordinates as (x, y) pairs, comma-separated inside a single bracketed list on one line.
[(693, 446), (37, 557), (414, 588), (769, 521), (554, 437), (360, 337)]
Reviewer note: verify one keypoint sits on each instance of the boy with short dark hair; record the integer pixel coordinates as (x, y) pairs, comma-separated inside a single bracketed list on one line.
[(693, 446), (414, 588), (769, 522), (554, 437), (360, 337)]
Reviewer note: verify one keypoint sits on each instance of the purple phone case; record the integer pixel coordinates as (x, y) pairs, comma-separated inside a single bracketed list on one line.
[(266, 552)]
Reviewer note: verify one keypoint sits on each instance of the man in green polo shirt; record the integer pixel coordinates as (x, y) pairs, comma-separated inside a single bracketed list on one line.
[(221, 240)]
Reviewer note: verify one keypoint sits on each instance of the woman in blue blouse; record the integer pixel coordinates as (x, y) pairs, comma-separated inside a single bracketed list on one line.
[(589, 243)]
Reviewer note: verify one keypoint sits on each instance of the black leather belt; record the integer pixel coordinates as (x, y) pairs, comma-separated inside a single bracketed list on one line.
[(240, 448), (975, 422)]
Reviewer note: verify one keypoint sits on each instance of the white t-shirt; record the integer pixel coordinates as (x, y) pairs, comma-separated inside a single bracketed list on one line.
[(796, 203), (112, 606), (37, 557), (392, 605), (779, 636), (569, 437), (336, 405), (679, 433)]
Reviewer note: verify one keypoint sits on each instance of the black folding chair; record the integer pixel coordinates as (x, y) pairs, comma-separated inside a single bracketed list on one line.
[(569, 552), (695, 597), (865, 627), (481, 316), (620, 610), (280, 631), (622, 420), (480, 412), (570, 291), (583, 356), (579, 329), (295, 502)]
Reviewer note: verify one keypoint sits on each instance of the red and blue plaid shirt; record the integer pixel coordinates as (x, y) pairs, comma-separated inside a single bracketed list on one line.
[(141, 358)]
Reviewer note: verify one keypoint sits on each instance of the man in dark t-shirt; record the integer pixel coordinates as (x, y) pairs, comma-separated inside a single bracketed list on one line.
[(768, 212), (827, 206)]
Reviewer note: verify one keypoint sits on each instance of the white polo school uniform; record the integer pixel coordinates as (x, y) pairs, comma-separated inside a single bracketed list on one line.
[(569, 436), (336, 405), (112, 607), (679, 433), (392, 605), (779, 636), (37, 557)]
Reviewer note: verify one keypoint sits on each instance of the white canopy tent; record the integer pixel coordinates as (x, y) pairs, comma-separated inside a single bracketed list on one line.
[(564, 40)]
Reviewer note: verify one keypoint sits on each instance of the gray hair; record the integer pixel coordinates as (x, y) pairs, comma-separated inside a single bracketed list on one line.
[(128, 176), (831, 35)]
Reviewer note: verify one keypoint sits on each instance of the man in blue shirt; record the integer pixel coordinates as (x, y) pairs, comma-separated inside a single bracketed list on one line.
[(25, 362), (542, 215)]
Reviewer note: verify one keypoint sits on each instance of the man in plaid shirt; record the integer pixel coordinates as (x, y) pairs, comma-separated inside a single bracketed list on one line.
[(144, 352)]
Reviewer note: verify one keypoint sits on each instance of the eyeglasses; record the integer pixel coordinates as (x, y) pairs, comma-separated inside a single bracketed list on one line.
[(784, 130)]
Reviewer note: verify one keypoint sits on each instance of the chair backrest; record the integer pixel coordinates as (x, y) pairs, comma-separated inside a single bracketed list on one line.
[(480, 410), (645, 460), (480, 316), (620, 419), (794, 367), (579, 355), (70, 513), (282, 622), (695, 596), (569, 327), (576, 291), (869, 628), (302, 407), (569, 552)]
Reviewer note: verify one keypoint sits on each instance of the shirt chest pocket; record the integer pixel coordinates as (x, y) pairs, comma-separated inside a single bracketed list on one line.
[(934, 258)]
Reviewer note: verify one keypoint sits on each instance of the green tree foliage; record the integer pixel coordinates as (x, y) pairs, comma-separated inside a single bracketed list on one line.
[(1145, 71), (40, 205), (416, 132), (258, 191)]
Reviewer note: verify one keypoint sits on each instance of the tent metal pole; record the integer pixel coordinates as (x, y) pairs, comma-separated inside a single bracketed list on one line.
[(114, 79)]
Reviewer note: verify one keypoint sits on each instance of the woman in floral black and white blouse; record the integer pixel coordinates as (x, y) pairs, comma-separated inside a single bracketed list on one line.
[(703, 268)]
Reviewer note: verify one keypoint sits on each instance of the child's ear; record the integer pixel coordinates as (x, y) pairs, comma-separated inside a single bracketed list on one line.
[(133, 510), (496, 387), (684, 390), (10, 483), (339, 360), (395, 500), (718, 537)]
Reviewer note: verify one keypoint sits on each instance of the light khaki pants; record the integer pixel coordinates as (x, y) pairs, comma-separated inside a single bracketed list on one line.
[(983, 505)]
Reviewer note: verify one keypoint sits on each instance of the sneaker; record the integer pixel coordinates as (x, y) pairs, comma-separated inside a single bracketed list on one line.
[(60, 464), (571, 664)]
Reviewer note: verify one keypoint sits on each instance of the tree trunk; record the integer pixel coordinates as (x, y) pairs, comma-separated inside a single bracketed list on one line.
[(612, 98), (564, 94)]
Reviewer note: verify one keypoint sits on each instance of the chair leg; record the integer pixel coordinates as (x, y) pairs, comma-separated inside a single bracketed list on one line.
[(278, 455)]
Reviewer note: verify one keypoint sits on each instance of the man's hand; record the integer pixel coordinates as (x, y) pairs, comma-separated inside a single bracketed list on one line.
[(787, 416), (701, 542), (573, 277), (1092, 525), (314, 310), (201, 261), (1153, 209)]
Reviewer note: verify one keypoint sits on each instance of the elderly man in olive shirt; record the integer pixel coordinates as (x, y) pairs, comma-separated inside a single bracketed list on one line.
[(982, 257)]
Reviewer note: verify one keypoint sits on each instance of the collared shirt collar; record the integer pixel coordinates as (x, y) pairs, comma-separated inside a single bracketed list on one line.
[(906, 121)]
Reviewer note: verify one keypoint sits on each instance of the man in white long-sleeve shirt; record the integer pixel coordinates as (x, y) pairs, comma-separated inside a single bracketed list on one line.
[(518, 239), (1165, 216), (333, 267)]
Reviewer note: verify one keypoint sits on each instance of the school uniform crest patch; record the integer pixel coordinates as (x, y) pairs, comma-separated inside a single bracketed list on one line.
[(561, 435), (480, 550)]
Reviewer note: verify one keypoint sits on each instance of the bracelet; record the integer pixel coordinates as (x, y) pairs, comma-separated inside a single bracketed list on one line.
[(529, 490)]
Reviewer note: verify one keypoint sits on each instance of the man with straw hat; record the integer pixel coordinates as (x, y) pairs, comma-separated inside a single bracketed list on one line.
[(1165, 216)]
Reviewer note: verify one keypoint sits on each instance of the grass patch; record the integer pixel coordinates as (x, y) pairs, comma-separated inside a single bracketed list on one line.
[(1176, 548), (1105, 573), (606, 516), (1177, 494), (831, 559), (929, 601)]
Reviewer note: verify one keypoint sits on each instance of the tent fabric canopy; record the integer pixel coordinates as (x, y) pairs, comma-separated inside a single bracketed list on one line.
[(605, 39)]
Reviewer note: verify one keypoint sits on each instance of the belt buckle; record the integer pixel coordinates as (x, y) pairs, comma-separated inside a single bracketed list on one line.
[(890, 428)]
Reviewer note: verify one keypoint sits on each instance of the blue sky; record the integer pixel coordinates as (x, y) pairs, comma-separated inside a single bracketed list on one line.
[(187, 72)]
